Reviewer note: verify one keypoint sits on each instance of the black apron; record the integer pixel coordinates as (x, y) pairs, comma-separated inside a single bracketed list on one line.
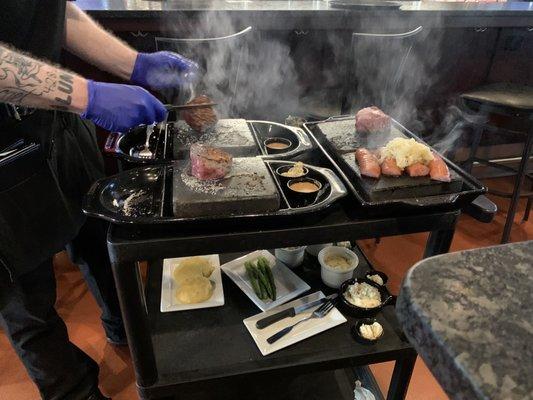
[(41, 190)]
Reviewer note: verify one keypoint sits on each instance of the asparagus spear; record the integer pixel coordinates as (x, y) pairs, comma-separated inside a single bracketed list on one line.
[(251, 276), (271, 280), (262, 288), (263, 279), (267, 271)]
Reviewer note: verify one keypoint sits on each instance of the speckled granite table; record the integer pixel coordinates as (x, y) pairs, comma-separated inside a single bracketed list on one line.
[(470, 317)]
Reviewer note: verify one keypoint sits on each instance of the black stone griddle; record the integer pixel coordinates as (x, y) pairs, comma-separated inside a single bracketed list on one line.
[(248, 189), (338, 139), (231, 135), (144, 196)]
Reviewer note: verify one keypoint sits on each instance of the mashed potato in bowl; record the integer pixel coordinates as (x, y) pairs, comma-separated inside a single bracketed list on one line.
[(363, 295)]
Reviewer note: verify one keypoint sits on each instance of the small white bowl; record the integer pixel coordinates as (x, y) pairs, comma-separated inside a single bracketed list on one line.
[(292, 257), (334, 277), (315, 248)]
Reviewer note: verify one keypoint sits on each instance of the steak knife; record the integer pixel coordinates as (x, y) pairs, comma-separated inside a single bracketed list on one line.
[(291, 312)]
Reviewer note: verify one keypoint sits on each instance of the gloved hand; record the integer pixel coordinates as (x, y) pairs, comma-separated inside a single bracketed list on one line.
[(118, 108), (163, 70)]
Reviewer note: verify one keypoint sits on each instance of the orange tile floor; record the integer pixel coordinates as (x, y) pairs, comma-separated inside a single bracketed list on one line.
[(394, 255)]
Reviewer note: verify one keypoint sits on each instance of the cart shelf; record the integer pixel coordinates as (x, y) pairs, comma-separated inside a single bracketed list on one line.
[(205, 346)]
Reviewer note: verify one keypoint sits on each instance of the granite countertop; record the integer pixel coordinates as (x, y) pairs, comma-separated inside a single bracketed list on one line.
[(470, 317)]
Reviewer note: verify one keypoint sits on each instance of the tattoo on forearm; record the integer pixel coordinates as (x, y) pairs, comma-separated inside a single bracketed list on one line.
[(22, 77), (65, 85)]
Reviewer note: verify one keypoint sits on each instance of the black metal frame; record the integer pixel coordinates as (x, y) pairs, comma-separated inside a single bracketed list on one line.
[(128, 244), (520, 174)]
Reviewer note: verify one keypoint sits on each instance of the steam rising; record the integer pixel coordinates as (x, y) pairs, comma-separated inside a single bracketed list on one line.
[(258, 75), (251, 75)]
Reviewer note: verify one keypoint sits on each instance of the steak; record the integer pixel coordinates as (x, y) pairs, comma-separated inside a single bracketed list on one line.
[(200, 119), (372, 119), (208, 163)]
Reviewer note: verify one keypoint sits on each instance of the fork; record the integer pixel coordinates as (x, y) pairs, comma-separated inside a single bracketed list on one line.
[(146, 152), (320, 312)]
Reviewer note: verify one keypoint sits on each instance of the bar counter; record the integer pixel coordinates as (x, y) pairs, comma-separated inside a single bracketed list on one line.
[(299, 14)]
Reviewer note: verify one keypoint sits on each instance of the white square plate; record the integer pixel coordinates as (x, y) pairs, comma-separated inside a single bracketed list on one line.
[(168, 286), (299, 333), (288, 284)]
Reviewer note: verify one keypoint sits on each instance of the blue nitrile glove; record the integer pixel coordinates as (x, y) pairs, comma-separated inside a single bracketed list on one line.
[(118, 108), (163, 70)]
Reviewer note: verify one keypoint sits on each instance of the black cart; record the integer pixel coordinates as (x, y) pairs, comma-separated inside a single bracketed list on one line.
[(210, 351)]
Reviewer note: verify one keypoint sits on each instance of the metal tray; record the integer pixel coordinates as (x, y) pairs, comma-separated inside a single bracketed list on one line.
[(143, 196), (463, 189), (121, 145)]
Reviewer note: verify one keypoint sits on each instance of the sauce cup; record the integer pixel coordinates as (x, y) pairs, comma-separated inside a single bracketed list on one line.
[(356, 333), (285, 168), (271, 141), (334, 277), (291, 256), (304, 197)]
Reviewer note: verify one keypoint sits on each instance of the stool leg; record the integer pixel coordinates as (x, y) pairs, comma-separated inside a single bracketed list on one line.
[(478, 132), (519, 180), (528, 206), (528, 209)]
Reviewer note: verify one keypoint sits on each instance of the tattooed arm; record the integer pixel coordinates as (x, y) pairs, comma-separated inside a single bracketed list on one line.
[(89, 41), (29, 82)]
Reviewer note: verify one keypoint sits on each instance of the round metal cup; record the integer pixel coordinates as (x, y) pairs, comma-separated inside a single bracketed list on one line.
[(277, 140), (285, 168)]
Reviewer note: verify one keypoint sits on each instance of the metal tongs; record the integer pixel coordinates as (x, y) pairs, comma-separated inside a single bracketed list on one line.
[(189, 106), (187, 94)]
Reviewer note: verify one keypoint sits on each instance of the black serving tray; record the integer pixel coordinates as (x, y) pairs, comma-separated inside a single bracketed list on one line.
[(388, 193), (143, 196), (123, 145), (266, 129)]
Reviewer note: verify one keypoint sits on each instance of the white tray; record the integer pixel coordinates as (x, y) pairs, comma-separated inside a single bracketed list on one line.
[(299, 333), (288, 284), (168, 286)]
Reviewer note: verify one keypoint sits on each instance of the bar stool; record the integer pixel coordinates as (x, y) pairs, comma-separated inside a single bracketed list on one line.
[(220, 59), (511, 101)]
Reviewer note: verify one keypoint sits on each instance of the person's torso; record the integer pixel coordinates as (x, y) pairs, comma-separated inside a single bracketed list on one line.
[(33, 26)]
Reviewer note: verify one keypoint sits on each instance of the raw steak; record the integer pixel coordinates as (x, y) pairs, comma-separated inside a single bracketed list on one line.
[(372, 119), (209, 163)]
